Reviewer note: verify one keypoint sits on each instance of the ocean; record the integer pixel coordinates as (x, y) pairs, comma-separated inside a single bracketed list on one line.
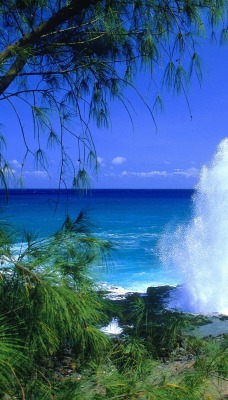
[(134, 221)]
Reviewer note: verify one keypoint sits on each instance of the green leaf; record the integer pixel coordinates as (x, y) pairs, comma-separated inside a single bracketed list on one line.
[(195, 65)]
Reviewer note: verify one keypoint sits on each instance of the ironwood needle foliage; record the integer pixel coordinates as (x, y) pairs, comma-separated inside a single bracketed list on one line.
[(63, 62)]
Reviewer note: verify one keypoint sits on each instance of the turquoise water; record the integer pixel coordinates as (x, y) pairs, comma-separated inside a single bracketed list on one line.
[(135, 221)]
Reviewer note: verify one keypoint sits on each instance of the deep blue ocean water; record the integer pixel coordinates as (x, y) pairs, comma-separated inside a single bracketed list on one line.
[(133, 220)]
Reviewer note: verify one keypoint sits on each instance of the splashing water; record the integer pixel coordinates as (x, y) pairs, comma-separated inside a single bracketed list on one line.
[(112, 328), (200, 249)]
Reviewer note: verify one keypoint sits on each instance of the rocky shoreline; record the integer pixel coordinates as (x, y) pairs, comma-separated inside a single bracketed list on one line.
[(174, 361), (207, 325)]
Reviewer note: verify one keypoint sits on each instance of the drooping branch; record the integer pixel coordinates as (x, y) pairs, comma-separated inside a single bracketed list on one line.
[(63, 15), (69, 59)]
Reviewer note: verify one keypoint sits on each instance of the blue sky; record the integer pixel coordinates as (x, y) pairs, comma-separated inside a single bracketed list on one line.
[(170, 157)]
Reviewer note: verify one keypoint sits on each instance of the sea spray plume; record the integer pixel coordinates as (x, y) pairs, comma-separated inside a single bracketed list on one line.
[(200, 248), (112, 328)]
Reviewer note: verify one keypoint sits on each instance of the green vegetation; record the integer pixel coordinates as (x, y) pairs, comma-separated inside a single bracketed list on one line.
[(51, 347), (63, 62)]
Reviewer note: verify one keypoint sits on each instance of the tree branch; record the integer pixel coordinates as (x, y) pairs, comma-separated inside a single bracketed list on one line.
[(16, 67), (63, 15)]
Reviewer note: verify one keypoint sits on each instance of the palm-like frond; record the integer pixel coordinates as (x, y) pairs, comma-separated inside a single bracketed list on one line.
[(47, 292)]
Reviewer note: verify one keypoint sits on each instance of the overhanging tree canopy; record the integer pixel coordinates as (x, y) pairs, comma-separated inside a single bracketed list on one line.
[(64, 60)]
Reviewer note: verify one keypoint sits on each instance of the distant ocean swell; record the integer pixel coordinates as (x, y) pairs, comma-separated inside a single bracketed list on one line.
[(133, 220)]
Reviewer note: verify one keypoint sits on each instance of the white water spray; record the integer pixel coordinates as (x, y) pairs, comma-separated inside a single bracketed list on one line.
[(112, 328), (200, 249)]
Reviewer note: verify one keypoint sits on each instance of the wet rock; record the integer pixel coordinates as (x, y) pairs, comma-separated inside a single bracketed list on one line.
[(210, 328), (158, 295)]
